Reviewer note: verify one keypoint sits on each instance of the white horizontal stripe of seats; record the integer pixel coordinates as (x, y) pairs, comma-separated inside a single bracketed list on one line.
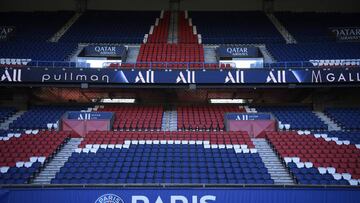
[(12, 61), (10, 135), (336, 62), (335, 139), (17, 135), (206, 144), (28, 164), (326, 138), (52, 126), (322, 170)]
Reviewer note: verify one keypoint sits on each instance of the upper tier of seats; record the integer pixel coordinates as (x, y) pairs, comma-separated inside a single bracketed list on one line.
[(37, 51), (31, 32), (161, 31), (232, 27), (171, 53), (299, 118), (204, 117), (39, 117), (346, 118), (34, 26), (185, 31), (136, 117), (314, 27), (313, 160), (314, 51), (111, 27)]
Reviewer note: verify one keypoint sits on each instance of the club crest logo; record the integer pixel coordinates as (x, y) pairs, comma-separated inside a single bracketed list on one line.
[(109, 198)]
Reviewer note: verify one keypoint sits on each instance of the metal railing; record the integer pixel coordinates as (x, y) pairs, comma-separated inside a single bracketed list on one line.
[(182, 65), (156, 186)]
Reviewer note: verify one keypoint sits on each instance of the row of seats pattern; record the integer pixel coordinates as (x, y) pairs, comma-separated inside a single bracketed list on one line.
[(136, 117), (299, 118), (204, 117), (346, 118), (38, 117), (97, 138), (157, 162), (22, 157), (341, 161)]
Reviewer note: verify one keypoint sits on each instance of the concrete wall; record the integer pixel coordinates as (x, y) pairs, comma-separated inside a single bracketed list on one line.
[(318, 5), (36, 5), (128, 4), (241, 5), (279, 5)]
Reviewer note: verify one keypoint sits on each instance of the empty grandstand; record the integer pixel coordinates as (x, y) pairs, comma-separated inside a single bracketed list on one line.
[(179, 101)]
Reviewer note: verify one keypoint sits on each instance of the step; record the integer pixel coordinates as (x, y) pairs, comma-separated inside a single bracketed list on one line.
[(282, 30), (63, 29), (282, 181), (50, 170), (276, 169)]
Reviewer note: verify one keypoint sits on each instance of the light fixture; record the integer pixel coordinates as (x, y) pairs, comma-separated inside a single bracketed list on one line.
[(228, 101), (118, 101)]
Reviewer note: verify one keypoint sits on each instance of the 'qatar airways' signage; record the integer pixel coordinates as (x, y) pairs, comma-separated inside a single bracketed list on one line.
[(105, 51), (346, 33), (237, 52)]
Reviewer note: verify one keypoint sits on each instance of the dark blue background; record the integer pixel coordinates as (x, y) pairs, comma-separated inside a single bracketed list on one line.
[(226, 195), (251, 76)]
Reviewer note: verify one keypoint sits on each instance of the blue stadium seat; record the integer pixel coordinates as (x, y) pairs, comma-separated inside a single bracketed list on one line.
[(38, 117), (165, 164), (346, 118), (233, 27), (299, 118), (118, 26)]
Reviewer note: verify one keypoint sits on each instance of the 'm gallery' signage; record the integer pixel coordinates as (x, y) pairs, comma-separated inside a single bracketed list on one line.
[(346, 33), (332, 77)]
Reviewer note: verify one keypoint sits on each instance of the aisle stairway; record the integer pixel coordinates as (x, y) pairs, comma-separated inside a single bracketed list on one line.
[(5, 124), (50, 170), (332, 126), (283, 31), (173, 29), (169, 122), (276, 169), (63, 30)]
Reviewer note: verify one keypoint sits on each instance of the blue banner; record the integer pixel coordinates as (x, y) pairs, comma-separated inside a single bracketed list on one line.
[(247, 116), (178, 195), (351, 34), (6, 32), (237, 52), (105, 51), (77, 115), (221, 77)]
